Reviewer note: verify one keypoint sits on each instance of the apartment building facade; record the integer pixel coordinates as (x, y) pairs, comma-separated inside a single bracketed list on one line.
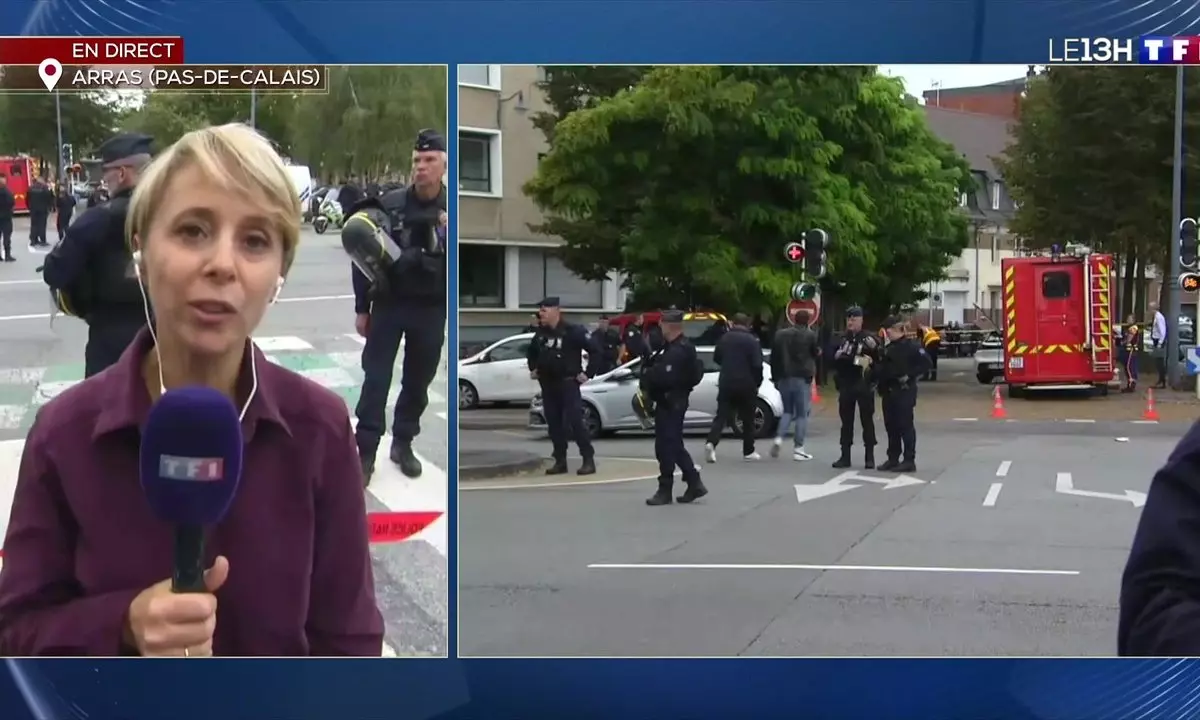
[(505, 268)]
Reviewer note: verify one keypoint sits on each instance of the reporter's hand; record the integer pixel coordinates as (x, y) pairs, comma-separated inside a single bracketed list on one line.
[(166, 624), (362, 323)]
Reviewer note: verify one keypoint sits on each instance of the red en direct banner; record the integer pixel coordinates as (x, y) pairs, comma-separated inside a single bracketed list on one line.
[(92, 50)]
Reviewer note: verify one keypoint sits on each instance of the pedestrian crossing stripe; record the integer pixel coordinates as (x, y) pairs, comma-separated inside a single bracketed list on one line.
[(336, 366)]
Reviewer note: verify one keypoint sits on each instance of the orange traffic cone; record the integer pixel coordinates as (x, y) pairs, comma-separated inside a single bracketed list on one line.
[(816, 394), (998, 411), (1151, 412)]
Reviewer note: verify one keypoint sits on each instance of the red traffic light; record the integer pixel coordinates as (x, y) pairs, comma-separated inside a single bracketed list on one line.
[(794, 252)]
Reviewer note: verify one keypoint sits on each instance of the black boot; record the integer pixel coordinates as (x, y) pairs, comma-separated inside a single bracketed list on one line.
[(368, 467), (588, 467), (907, 466), (402, 455), (869, 462), (9, 258), (558, 468), (889, 466), (662, 496), (843, 460), (695, 491)]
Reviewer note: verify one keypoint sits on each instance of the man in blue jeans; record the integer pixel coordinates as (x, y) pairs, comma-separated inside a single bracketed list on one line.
[(793, 365)]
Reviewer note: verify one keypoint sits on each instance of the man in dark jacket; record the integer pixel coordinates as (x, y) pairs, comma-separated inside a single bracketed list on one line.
[(7, 203), (64, 204), (40, 201), (1160, 590), (794, 353), (606, 345), (740, 356), (854, 367), (350, 194)]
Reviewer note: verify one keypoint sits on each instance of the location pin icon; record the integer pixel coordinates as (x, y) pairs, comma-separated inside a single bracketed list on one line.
[(50, 71)]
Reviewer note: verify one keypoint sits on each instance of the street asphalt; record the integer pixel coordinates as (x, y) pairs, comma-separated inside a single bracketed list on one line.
[(310, 330), (1010, 539)]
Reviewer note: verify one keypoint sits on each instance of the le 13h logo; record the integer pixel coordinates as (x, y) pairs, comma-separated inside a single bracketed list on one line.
[(185, 468), (1167, 50)]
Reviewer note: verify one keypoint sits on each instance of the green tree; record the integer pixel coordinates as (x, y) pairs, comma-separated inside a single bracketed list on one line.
[(574, 87), (1090, 162), (28, 119), (693, 181)]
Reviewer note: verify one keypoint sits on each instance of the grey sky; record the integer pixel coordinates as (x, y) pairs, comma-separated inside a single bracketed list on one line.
[(919, 78)]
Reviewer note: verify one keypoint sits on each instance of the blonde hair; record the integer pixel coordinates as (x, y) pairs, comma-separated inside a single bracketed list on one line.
[(234, 157)]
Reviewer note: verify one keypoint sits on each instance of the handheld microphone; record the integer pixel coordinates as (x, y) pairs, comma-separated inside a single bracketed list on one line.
[(191, 463)]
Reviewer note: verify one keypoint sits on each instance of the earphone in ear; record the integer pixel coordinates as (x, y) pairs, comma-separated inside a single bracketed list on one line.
[(278, 289), (137, 264)]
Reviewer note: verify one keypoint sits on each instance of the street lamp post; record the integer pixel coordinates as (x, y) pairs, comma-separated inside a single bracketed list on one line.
[(58, 121), (1174, 292)]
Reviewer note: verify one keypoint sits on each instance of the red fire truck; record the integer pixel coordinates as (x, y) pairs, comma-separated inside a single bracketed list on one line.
[(20, 172), (1058, 321)]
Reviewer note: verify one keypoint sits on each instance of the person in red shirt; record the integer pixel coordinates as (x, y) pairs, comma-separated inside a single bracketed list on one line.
[(215, 225)]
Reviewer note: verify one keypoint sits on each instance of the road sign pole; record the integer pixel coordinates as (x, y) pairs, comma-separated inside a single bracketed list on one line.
[(1174, 292)]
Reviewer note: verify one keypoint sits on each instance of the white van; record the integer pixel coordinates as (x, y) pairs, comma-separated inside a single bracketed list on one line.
[(302, 179)]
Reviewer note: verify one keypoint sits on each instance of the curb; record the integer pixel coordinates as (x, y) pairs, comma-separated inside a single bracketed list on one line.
[(514, 463), (498, 424)]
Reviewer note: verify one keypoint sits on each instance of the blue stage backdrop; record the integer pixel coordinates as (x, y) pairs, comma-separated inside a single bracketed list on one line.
[(582, 31)]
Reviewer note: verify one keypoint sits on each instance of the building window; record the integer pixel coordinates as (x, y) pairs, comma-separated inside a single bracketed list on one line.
[(487, 76), (479, 162), (995, 196), (542, 275), (480, 276)]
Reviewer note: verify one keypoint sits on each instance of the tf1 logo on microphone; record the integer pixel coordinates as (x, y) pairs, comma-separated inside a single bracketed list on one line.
[(184, 468)]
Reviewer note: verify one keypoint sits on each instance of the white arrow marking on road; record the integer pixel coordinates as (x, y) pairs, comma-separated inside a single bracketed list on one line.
[(804, 493), (1065, 486)]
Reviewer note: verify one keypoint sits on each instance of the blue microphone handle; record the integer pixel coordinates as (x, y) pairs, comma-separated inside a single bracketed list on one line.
[(188, 573)]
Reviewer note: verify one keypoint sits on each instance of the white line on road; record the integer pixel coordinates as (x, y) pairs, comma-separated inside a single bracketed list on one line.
[(966, 419), (314, 298), (1078, 420), (21, 282), (822, 568), (1002, 471), (551, 485), (389, 651), (1144, 422), (443, 416), (993, 494), (35, 316)]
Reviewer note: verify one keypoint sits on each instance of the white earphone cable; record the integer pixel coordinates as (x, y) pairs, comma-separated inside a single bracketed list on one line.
[(162, 383)]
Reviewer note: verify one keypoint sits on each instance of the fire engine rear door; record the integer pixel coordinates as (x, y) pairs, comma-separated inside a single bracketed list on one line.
[(1059, 291)]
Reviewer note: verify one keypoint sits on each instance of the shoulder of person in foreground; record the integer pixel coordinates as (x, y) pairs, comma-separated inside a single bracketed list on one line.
[(344, 617), (41, 611), (1160, 588)]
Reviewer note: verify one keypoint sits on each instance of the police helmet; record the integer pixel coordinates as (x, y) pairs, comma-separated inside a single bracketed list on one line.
[(367, 239), (643, 408)]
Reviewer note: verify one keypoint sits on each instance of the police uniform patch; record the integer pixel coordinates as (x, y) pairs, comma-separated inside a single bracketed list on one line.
[(668, 368)]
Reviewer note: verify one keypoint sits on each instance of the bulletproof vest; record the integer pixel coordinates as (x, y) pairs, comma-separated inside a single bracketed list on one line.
[(848, 372), (412, 223), (115, 291), (551, 358)]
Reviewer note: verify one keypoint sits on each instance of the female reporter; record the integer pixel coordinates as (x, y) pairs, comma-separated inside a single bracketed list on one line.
[(215, 223)]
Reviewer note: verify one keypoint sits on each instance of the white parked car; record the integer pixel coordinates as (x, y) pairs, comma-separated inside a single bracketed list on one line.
[(498, 374), (989, 360), (608, 401)]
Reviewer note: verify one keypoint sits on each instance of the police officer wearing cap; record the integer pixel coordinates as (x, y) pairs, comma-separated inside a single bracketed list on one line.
[(397, 243), (854, 376), (669, 378), (903, 362), (555, 360), (90, 270)]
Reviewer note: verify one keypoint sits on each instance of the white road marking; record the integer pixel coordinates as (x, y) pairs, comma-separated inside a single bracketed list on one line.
[(331, 377), (314, 298), (35, 316), (388, 651), (1144, 422), (399, 493), (469, 485), (443, 416), (993, 494), (356, 338), (22, 282), (47, 391), (1002, 471), (822, 568), (1078, 420), (11, 416), (282, 343), (966, 419)]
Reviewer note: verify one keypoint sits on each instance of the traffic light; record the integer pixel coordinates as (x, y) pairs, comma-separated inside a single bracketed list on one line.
[(815, 244), (804, 291), (1187, 242), (794, 252), (1189, 281)]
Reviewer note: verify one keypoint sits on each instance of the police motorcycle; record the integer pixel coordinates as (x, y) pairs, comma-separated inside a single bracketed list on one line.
[(329, 214), (374, 244)]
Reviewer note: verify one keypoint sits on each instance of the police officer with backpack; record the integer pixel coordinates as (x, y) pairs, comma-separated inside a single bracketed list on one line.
[(90, 270), (669, 381)]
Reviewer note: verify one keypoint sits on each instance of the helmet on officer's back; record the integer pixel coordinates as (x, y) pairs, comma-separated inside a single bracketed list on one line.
[(367, 239), (643, 408)]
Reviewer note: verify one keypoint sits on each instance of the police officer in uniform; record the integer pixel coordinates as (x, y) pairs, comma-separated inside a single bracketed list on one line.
[(397, 243), (90, 270), (555, 359), (668, 379), (903, 362), (854, 376)]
